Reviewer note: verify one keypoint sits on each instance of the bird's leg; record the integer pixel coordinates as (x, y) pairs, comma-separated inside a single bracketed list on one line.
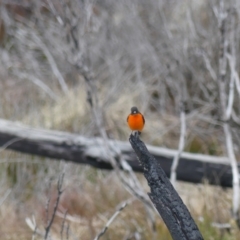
[(136, 133)]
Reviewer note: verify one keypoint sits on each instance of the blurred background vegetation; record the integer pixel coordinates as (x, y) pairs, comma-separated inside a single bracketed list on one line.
[(57, 55)]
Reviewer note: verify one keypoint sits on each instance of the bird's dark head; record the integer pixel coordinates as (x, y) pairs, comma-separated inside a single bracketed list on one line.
[(134, 110)]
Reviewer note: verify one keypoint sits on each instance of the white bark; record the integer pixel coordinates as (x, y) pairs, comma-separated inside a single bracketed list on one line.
[(180, 148), (235, 173)]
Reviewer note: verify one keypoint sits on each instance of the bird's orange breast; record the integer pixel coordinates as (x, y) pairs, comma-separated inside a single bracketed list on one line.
[(135, 122)]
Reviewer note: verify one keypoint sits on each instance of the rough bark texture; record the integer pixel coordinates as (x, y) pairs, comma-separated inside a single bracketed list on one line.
[(166, 200), (72, 147)]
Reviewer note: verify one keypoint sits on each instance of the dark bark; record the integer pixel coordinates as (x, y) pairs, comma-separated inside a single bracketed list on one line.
[(164, 197)]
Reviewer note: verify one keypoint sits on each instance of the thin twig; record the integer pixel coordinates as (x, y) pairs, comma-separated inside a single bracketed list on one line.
[(9, 143), (48, 202), (33, 226), (67, 230), (180, 147), (2, 200), (63, 224), (209, 66), (71, 218), (60, 191), (111, 220), (231, 89), (54, 11), (37, 82), (51, 61)]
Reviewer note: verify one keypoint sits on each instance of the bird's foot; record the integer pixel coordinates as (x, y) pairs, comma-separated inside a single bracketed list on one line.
[(136, 133)]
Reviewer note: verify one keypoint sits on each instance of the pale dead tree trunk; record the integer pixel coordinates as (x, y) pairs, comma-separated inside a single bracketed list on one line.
[(181, 145), (226, 102)]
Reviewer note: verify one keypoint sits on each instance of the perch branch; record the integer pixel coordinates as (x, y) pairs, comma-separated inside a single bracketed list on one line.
[(166, 200)]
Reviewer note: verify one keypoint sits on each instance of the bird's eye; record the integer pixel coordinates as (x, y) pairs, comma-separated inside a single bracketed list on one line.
[(134, 112)]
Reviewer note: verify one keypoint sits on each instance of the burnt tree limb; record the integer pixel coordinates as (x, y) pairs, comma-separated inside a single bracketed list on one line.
[(164, 197), (82, 150)]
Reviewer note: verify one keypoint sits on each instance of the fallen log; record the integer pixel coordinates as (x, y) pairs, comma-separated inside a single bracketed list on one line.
[(79, 149)]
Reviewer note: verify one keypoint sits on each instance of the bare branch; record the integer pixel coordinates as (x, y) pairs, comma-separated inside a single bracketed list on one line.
[(63, 224), (235, 172), (51, 61), (165, 198), (37, 82), (33, 226), (6, 194), (209, 66), (60, 191), (231, 89), (112, 219), (58, 17), (180, 147)]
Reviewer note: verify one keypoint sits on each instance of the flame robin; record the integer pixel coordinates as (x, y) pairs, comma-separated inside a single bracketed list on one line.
[(135, 120)]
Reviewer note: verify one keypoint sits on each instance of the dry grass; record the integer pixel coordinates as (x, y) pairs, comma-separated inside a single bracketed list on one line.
[(91, 197)]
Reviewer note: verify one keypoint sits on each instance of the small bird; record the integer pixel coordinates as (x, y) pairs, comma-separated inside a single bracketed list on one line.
[(135, 120)]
